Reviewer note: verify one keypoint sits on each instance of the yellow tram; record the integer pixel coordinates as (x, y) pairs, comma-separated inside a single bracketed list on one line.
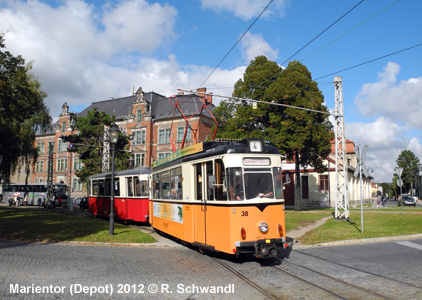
[(222, 196)]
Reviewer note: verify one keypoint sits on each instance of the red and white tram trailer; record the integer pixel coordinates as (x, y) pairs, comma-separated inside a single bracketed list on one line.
[(131, 194)]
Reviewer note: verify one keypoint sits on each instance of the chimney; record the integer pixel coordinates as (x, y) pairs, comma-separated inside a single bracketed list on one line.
[(207, 99)]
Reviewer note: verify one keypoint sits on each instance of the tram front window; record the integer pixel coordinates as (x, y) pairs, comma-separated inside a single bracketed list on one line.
[(235, 183), (259, 185)]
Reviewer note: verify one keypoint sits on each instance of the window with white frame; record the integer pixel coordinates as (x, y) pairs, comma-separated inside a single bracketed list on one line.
[(62, 147), (76, 185), (164, 136), (39, 166), (163, 154), (77, 164), (139, 160), (181, 132), (41, 148), (62, 164), (139, 115), (139, 137)]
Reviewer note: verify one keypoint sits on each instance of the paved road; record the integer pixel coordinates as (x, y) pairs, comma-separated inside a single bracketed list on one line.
[(69, 271), (126, 272)]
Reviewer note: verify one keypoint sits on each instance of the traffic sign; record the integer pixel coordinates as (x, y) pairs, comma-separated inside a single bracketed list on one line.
[(399, 182), (399, 171)]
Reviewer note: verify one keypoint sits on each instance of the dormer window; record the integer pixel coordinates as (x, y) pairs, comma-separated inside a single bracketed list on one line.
[(138, 115)]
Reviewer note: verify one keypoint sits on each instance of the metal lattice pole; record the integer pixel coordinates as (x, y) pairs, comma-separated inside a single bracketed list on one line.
[(342, 204), (50, 187), (106, 151)]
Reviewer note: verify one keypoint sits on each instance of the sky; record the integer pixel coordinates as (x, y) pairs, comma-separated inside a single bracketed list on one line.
[(83, 51)]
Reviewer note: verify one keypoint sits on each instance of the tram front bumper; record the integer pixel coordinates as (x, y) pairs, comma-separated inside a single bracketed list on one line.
[(261, 248)]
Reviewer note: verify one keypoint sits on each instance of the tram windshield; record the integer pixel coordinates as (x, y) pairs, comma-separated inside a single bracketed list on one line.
[(254, 183), (259, 185)]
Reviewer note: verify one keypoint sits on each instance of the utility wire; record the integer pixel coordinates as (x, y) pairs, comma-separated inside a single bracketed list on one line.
[(322, 32), (349, 30), (314, 40), (236, 43), (369, 61)]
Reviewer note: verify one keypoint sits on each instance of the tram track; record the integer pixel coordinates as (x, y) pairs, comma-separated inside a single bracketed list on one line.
[(245, 279), (360, 270), (321, 282), (362, 289)]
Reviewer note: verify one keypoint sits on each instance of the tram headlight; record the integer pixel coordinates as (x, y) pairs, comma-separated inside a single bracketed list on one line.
[(263, 227)]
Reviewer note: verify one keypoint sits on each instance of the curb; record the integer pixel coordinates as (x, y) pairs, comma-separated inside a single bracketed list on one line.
[(360, 241)]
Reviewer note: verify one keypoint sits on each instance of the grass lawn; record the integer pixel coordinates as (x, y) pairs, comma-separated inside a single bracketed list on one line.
[(295, 219), (375, 224), (49, 226)]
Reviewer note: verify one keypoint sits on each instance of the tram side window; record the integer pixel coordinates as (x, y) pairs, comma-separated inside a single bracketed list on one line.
[(165, 185), (156, 186), (278, 183), (210, 172), (176, 183), (141, 187), (116, 187), (235, 183), (108, 187), (95, 187), (101, 189), (198, 181), (220, 177), (129, 184)]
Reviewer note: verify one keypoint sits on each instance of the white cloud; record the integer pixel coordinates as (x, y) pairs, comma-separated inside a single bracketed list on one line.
[(401, 102), (254, 45), (386, 140), (77, 52), (246, 9), (83, 54), (137, 25)]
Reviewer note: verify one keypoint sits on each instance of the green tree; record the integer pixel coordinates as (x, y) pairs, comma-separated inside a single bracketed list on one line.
[(409, 162), (302, 135), (88, 143), (22, 114)]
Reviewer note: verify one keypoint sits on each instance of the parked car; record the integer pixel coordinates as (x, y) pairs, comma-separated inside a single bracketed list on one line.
[(82, 202), (407, 200)]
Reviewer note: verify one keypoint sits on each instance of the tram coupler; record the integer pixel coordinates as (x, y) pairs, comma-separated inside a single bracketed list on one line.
[(261, 248)]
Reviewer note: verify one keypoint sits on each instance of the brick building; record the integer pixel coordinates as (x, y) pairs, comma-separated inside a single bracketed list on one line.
[(155, 121)]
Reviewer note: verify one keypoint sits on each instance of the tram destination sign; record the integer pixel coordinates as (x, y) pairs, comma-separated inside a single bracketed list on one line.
[(248, 161)]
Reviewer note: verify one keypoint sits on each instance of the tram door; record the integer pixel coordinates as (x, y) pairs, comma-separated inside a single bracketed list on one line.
[(203, 195)]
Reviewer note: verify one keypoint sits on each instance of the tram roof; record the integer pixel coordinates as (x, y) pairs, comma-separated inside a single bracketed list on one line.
[(137, 171), (218, 147)]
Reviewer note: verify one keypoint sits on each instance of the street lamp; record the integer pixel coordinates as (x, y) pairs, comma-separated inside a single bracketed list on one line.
[(114, 137)]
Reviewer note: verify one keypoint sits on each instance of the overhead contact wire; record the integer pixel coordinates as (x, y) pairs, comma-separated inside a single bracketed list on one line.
[(236, 43)]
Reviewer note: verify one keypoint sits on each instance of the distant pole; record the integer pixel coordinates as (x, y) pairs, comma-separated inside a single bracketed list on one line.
[(361, 196), (361, 168), (400, 184)]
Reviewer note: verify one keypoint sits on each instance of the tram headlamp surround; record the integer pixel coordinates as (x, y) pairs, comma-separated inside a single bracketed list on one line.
[(263, 227)]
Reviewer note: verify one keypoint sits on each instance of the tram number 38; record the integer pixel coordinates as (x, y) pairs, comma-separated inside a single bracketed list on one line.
[(244, 213)]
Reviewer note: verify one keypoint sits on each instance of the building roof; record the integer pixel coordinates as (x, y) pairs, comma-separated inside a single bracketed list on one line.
[(189, 105), (161, 107), (350, 146), (118, 107)]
